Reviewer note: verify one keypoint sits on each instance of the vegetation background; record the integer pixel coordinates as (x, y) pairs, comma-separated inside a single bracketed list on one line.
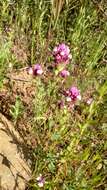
[(69, 147)]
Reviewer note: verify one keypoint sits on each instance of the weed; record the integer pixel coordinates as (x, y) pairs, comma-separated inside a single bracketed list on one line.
[(16, 110), (69, 105)]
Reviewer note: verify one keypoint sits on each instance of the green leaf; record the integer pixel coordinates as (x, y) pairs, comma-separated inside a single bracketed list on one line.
[(56, 136), (51, 167)]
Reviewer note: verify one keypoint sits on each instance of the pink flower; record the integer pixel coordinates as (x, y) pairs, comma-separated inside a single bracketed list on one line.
[(72, 94), (37, 69), (64, 73), (58, 58), (61, 53), (40, 180), (63, 48)]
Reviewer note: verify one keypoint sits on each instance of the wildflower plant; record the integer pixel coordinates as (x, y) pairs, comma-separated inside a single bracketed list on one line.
[(68, 118), (61, 54), (64, 73), (35, 70), (40, 180)]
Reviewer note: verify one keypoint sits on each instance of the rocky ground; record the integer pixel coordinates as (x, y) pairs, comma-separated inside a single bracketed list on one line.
[(15, 169), (15, 138)]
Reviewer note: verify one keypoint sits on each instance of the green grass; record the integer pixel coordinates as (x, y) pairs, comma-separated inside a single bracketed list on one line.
[(71, 146)]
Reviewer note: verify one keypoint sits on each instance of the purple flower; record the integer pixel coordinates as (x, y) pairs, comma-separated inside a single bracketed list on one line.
[(63, 48), (72, 94), (64, 73), (61, 53), (40, 180), (37, 69)]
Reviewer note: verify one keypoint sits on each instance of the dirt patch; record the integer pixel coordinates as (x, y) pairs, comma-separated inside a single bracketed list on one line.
[(19, 84)]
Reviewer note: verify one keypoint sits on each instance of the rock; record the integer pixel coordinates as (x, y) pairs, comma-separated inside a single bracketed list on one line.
[(14, 169)]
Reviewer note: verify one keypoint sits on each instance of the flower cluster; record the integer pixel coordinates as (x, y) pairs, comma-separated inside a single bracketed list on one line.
[(35, 70), (61, 53), (64, 73), (72, 94), (40, 180), (62, 56)]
